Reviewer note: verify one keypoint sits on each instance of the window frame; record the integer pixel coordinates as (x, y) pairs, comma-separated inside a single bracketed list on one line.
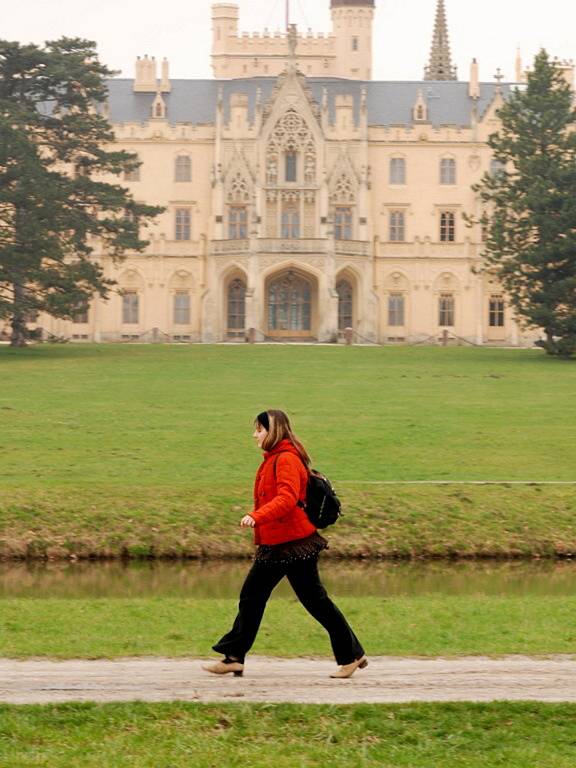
[(345, 303), (183, 229), (134, 174), (446, 310), (397, 171), (237, 222), (185, 171), (179, 312), (343, 222), (448, 171), (396, 229), (396, 309), (290, 222), (130, 309), (496, 313), (291, 166), (447, 226)]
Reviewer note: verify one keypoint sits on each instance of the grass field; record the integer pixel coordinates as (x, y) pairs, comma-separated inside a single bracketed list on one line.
[(515, 735), (147, 450), (431, 625)]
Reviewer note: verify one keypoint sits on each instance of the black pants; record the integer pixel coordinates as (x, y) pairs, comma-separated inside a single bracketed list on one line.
[(305, 581)]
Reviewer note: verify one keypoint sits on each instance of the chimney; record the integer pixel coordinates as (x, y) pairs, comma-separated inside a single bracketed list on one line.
[(474, 88), (145, 80)]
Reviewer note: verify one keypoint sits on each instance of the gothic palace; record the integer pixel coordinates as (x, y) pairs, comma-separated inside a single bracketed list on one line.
[(302, 197)]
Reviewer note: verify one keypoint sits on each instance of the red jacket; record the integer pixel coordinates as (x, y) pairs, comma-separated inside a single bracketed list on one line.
[(280, 483)]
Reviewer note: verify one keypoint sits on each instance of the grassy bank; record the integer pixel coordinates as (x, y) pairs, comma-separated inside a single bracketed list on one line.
[(516, 735), (146, 450), (381, 521), (431, 625)]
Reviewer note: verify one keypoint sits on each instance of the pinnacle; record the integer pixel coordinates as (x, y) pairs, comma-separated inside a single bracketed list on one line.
[(440, 66)]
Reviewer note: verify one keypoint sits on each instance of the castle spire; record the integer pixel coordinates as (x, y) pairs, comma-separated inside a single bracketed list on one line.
[(440, 66)]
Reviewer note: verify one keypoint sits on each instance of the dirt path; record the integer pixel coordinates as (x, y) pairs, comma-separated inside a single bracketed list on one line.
[(386, 679)]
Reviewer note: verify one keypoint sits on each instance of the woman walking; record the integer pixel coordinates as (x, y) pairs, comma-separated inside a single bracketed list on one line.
[(288, 545)]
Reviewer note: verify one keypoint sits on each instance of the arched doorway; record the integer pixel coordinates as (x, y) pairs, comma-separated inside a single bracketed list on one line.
[(289, 305), (345, 304), (236, 308)]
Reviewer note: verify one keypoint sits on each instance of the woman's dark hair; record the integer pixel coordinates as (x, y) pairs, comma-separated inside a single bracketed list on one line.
[(279, 429)]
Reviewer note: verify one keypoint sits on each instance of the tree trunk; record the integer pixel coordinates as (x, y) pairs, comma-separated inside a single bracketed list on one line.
[(18, 322)]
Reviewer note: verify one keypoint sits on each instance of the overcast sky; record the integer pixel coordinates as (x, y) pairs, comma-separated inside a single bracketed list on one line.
[(489, 30)]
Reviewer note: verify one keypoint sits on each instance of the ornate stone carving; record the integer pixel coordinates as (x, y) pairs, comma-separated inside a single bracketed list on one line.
[(291, 134), (343, 190), (238, 189)]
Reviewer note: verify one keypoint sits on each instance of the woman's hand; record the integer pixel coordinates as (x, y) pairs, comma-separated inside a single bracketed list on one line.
[(247, 522)]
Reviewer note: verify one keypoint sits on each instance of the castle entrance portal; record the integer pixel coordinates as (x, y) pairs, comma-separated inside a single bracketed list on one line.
[(289, 305)]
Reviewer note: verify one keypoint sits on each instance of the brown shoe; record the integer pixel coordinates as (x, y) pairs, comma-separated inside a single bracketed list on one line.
[(223, 668), (347, 670)]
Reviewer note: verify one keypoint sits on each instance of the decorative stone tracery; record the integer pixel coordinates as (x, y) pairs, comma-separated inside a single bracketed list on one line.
[(238, 189), (291, 134), (343, 190)]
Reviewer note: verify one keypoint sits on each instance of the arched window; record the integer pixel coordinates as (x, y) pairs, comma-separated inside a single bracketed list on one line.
[(290, 303), (345, 304), (183, 168), (236, 320)]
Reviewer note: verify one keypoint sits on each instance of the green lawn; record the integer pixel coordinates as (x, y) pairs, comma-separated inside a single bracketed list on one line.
[(431, 625), (179, 735), (133, 449)]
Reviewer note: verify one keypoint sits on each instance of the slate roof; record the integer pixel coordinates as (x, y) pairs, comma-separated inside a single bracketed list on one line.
[(389, 103)]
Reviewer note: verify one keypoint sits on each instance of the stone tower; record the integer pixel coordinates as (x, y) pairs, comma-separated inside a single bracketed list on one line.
[(440, 66), (352, 32)]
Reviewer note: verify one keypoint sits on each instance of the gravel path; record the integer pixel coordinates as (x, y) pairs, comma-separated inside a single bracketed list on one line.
[(386, 679)]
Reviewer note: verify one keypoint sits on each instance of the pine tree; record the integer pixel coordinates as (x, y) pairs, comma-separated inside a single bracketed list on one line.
[(56, 197), (530, 206)]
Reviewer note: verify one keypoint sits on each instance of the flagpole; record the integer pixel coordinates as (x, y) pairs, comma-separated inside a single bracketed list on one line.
[(287, 15)]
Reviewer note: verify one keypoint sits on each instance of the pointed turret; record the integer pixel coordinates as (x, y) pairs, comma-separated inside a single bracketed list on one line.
[(440, 66)]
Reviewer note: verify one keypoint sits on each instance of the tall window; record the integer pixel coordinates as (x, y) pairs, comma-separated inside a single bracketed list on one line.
[(447, 171), (290, 222), (397, 170), (496, 311), (396, 309), (237, 222), (81, 314), (182, 308), (183, 220), (130, 307), (355, 44), (236, 319), (133, 175), (344, 291), (343, 223), (183, 168), (446, 310), (397, 226), (290, 303), (291, 166), (497, 167), (447, 226)]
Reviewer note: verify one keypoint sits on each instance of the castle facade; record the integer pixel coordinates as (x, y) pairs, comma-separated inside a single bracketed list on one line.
[(303, 198)]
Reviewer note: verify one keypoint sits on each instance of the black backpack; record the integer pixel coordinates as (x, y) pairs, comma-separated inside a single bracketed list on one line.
[(322, 505)]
